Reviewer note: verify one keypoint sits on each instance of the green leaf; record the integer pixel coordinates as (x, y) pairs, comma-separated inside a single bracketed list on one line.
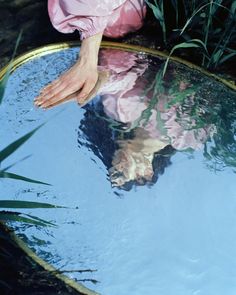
[(39, 219), (4, 174), (198, 10), (3, 81), (233, 7), (156, 11), (226, 57), (12, 165), (11, 148), (3, 84), (216, 56), (215, 5), (12, 216), (187, 44), (190, 19), (26, 204)]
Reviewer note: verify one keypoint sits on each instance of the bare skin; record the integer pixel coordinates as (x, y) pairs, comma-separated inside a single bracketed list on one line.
[(81, 78)]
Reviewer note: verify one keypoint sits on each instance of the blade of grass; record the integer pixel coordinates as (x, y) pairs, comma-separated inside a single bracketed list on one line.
[(188, 44), (226, 57), (158, 11), (11, 148), (233, 8), (12, 216), (207, 28), (196, 12), (39, 219), (12, 165), (26, 204), (3, 81), (4, 174)]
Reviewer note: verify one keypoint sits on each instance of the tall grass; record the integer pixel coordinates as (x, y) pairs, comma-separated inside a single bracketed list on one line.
[(3, 81), (4, 173), (211, 22)]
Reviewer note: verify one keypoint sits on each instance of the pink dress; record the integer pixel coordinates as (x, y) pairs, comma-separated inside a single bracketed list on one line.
[(123, 101), (114, 18)]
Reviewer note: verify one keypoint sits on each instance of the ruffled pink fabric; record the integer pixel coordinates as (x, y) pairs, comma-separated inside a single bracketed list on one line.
[(123, 101), (114, 18)]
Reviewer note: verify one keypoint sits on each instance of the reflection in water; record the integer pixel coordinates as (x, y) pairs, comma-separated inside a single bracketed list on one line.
[(175, 237), (139, 115)]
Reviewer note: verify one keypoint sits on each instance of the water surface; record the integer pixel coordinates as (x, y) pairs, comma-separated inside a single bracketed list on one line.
[(150, 166)]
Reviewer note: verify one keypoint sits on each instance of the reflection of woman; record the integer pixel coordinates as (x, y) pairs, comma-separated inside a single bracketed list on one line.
[(123, 101), (107, 143), (133, 160), (92, 18)]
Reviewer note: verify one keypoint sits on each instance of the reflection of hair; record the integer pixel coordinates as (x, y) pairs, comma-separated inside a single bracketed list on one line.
[(95, 133), (160, 162)]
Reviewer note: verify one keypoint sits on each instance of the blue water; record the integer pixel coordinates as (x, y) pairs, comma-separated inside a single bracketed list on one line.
[(176, 236)]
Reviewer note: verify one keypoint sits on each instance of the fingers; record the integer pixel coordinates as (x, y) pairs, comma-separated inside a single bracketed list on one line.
[(60, 101), (79, 82), (53, 84), (56, 91), (48, 94), (58, 96)]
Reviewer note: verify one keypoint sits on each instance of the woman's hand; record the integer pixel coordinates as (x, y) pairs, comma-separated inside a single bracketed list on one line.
[(80, 79)]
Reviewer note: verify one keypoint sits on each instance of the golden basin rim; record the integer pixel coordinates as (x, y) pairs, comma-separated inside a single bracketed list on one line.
[(46, 266), (50, 48)]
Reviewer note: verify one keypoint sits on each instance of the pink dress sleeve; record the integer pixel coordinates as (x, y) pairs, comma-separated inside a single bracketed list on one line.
[(114, 18)]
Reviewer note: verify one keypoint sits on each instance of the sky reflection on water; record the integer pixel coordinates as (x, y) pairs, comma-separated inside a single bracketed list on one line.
[(150, 165)]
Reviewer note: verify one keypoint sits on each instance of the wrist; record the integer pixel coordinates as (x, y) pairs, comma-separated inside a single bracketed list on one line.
[(88, 61), (89, 50)]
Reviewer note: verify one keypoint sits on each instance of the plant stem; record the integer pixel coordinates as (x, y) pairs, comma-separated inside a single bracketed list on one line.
[(209, 19)]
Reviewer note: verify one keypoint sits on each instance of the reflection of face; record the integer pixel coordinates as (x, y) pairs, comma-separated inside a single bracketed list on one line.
[(157, 117), (129, 165)]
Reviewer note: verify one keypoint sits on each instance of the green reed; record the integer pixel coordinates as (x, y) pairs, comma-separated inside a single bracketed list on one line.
[(3, 81), (211, 22), (6, 215)]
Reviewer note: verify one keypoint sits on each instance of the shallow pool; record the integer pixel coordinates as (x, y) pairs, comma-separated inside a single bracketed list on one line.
[(147, 171)]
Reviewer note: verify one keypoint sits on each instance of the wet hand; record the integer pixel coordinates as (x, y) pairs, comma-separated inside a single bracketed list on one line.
[(79, 80)]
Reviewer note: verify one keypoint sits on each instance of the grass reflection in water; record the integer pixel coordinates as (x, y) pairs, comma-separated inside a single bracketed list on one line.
[(139, 127)]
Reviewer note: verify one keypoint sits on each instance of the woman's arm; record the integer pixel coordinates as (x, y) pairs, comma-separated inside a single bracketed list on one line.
[(82, 76)]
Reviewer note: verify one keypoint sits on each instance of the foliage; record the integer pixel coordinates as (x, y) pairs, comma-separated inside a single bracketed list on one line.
[(16, 216), (27, 218), (4, 80), (9, 150), (4, 154), (207, 24)]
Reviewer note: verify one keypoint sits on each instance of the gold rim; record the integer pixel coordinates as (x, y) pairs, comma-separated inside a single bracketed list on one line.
[(44, 50), (49, 268), (47, 49)]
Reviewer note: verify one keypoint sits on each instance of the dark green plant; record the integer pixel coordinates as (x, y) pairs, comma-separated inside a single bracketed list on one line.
[(16, 216), (207, 24), (4, 173), (9, 150), (22, 217), (3, 81)]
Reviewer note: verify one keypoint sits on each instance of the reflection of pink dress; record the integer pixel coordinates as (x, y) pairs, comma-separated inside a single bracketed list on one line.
[(121, 98), (112, 17)]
